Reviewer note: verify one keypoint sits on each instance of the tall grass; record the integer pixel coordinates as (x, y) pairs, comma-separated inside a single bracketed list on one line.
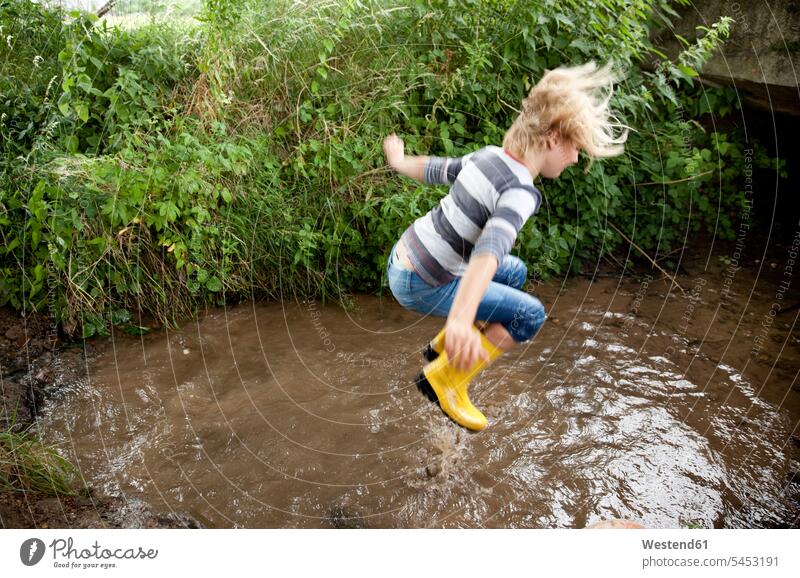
[(27, 465)]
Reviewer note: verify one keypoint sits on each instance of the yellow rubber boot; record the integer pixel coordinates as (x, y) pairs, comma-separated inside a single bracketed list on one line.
[(448, 386), (435, 347)]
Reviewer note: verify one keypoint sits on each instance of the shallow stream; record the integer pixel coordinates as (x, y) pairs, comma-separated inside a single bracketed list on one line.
[(634, 401)]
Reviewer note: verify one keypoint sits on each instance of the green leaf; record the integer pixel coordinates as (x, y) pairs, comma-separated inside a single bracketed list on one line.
[(582, 45), (137, 330), (120, 316), (38, 273), (71, 144), (97, 62), (88, 330)]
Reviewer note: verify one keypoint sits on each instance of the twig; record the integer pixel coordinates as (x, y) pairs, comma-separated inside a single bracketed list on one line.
[(671, 182), (649, 258), (105, 8), (609, 258), (599, 275), (790, 308)]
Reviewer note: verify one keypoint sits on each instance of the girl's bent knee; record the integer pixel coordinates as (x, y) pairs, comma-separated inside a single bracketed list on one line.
[(512, 272), (529, 317), (520, 275)]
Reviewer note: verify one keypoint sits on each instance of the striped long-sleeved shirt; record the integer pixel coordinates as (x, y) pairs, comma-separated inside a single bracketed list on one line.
[(491, 197)]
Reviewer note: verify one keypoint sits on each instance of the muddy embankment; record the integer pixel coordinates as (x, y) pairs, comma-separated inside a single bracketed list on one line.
[(36, 367)]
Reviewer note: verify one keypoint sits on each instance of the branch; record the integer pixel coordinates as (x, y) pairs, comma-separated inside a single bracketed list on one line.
[(672, 182), (656, 265), (105, 8)]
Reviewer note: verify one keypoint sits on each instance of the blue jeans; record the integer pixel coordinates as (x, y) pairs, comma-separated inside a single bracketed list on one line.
[(504, 301)]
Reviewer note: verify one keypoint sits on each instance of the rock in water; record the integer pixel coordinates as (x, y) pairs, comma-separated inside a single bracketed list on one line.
[(616, 525)]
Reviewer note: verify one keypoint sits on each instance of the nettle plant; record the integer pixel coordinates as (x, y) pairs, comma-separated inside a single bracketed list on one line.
[(118, 202)]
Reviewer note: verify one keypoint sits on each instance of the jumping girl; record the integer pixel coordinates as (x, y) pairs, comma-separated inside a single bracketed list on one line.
[(454, 262)]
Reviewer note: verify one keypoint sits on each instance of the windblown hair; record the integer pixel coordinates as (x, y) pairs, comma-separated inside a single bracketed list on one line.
[(572, 100)]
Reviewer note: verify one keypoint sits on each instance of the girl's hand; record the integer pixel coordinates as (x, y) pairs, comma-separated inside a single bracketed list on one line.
[(463, 345), (394, 149)]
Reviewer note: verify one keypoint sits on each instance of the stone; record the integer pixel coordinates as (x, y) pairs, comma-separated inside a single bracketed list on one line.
[(432, 470), (616, 524), (44, 375), (15, 332)]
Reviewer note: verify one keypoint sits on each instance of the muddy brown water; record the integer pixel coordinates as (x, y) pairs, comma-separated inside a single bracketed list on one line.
[(635, 401)]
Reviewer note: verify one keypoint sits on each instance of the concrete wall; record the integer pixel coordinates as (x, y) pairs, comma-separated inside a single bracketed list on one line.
[(761, 58)]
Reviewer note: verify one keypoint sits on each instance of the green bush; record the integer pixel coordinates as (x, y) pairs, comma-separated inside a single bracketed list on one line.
[(167, 168)]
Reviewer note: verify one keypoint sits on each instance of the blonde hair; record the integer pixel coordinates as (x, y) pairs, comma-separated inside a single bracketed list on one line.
[(573, 101)]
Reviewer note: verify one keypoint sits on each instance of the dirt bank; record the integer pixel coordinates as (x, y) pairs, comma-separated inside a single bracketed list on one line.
[(35, 363)]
